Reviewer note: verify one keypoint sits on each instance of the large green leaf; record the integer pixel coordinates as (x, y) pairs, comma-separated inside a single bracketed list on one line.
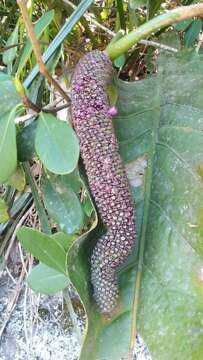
[(8, 150), (8, 94), (56, 144), (160, 121)]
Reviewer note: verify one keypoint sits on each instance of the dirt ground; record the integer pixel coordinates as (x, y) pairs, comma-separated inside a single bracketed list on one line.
[(37, 328)]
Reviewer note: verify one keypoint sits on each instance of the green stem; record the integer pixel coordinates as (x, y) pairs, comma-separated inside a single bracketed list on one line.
[(179, 14), (121, 14), (38, 203)]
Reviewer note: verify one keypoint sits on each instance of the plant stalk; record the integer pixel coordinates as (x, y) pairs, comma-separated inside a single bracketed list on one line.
[(173, 16)]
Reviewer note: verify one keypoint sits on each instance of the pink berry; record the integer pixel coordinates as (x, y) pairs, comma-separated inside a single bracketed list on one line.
[(112, 111)]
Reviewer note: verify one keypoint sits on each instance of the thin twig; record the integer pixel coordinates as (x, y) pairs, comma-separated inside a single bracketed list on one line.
[(10, 275), (17, 45), (158, 45), (21, 257), (30, 105), (53, 103), (36, 49), (10, 47), (24, 118)]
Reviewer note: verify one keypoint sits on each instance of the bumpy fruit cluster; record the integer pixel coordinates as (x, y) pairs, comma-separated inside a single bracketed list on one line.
[(106, 174)]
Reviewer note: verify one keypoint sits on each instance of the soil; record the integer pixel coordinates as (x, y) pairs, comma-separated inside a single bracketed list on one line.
[(39, 328)]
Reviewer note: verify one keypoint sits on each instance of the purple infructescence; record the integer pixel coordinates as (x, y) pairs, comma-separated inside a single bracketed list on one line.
[(92, 119)]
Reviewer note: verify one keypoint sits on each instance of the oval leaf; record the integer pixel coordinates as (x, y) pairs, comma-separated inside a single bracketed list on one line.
[(45, 280), (44, 248), (56, 144)]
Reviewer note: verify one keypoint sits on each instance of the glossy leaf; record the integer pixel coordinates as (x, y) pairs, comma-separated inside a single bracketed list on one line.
[(8, 150), (8, 94), (39, 28), (62, 204), (45, 248), (159, 123), (45, 280), (56, 144)]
